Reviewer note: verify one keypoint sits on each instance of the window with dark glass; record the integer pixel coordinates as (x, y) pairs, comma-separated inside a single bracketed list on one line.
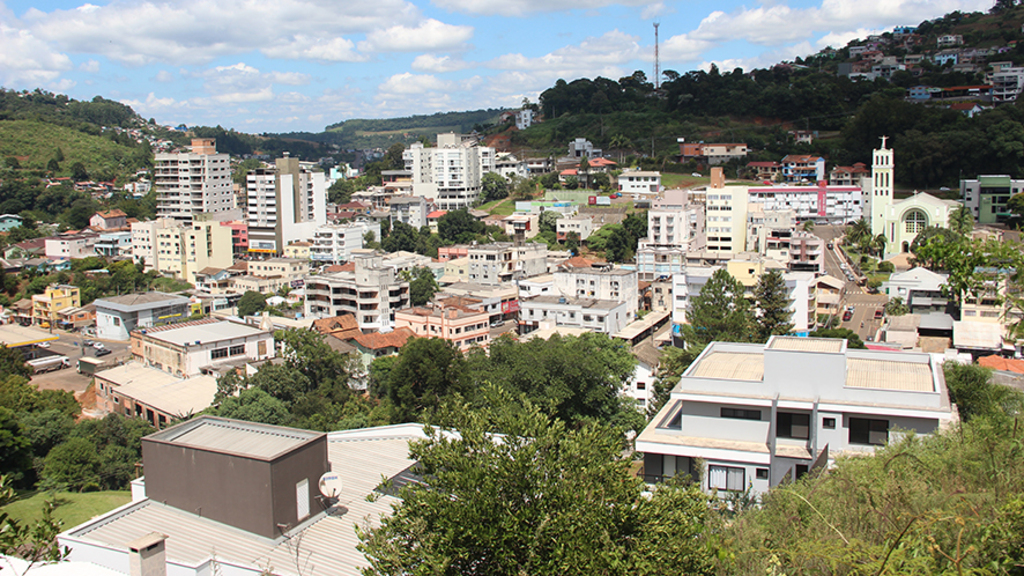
[(741, 413), (789, 425), (828, 423), (867, 431)]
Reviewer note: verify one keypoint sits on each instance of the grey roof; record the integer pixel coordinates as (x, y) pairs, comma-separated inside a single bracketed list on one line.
[(360, 457), (260, 441), (936, 321), (136, 302), (204, 332)]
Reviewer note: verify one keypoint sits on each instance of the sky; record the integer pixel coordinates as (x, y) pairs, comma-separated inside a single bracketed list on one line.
[(299, 65)]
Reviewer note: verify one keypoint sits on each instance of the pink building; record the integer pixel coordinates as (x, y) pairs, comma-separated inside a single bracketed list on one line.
[(459, 325), (446, 253), (239, 236)]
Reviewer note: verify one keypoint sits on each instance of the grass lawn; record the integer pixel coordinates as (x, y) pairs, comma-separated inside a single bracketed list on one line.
[(673, 180), (503, 207), (73, 508), (170, 285)]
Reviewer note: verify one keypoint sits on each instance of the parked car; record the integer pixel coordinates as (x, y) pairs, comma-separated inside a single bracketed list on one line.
[(102, 352), (98, 345), (878, 314), (847, 316), (43, 344)]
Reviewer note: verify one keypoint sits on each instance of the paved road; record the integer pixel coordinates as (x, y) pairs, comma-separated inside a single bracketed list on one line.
[(863, 321), (70, 345)]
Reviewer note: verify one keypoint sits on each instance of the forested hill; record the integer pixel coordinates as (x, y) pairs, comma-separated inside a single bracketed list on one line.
[(365, 133)]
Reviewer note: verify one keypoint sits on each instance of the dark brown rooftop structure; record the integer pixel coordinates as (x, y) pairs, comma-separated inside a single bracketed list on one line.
[(256, 477)]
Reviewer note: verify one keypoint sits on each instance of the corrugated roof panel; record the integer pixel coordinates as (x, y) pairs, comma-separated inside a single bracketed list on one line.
[(889, 375), (731, 366), (255, 441), (806, 344)]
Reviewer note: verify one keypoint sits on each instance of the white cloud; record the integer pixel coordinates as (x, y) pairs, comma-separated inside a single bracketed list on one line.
[(655, 10), (196, 32), (323, 49), (62, 85), (27, 61), (164, 76), (524, 7), (408, 83), (289, 78), (600, 56), (438, 64), (152, 104), (90, 66), (427, 35), (261, 95)]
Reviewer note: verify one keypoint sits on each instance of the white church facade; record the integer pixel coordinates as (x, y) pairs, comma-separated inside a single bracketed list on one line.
[(901, 221)]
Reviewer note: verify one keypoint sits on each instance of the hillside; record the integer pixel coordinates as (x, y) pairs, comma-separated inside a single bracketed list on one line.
[(365, 133), (35, 143)]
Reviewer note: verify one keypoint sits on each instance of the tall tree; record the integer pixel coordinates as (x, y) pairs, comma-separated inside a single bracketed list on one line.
[(545, 498), (719, 312), (422, 286), (493, 186), (428, 370), (772, 300)]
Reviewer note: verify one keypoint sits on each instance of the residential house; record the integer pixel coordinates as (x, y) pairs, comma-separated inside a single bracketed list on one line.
[(9, 222), (114, 244), (77, 317), (582, 226), (193, 183), (335, 243), (56, 297), (299, 250), (410, 210), (450, 172), (109, 220), (463, 326), (72, 246), (919, 288), (830, 292), (639, 183), (524, 118), (849, 175), (741, 418), (501, 262), (765, 170), (601, 281), (803, 168), (545, 312)]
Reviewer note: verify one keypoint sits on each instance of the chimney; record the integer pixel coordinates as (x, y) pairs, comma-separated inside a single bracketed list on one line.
[(147, 556), (717, 177)]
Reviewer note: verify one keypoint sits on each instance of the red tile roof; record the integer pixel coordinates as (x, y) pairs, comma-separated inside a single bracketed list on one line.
[(376, 340), (344, 322), (436, 214), (1002, 364)]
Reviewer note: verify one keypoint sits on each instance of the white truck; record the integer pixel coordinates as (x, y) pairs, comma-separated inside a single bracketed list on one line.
[(49, 363)]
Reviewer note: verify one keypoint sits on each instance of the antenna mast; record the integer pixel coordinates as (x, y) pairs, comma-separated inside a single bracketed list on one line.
[(657, 65)]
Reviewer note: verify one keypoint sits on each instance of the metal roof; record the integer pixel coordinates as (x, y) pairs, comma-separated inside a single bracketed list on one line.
[(205, 333), (180, 397), (730, 366), (14, 335), (326, 545), (793, 343), (889, 375), (249, 439)]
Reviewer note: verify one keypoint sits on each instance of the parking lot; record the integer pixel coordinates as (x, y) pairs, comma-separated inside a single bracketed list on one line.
[(74, 347)]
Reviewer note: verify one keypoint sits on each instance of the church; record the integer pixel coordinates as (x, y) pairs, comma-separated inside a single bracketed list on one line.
[(901, 221)]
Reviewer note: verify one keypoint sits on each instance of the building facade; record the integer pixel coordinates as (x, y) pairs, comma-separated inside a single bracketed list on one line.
[(193, 182), (285, 204), (450, 172), (373, 292)]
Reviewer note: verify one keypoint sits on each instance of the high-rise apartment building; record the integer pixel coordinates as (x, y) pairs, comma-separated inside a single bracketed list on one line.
[(191, 183), (450, 172), (284, 204)]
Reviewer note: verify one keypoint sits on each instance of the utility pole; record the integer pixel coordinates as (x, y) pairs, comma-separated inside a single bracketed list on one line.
[(657, 64)]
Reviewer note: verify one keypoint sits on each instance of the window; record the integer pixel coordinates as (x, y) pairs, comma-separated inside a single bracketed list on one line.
[(726, 478), (828, 423), (741, 414), (789, 425), (761, 473), (219, 353), (641, 386), (872, 432), (236, 350)]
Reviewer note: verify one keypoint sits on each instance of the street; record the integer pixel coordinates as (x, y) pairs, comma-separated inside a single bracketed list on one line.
[(864, 305)]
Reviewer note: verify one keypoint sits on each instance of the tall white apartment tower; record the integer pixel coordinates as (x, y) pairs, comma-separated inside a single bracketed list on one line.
[(451, 172), (284, 204), (191, 183), (881, 187)]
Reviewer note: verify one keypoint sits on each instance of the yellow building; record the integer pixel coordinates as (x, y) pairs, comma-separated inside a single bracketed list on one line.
[(298, 250), (57, 297), (182, 251)]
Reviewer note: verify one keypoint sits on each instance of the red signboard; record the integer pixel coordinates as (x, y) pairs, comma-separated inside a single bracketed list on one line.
[(510, 306)]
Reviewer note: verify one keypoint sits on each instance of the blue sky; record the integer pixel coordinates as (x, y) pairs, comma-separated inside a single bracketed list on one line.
[(289, 65)]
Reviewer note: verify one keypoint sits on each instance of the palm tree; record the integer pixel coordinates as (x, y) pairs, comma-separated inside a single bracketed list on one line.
[(619, 142), (878, 245), (858, 231)]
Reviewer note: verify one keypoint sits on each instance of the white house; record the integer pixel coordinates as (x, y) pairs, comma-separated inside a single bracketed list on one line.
[(640, 183), (117, 316), (751, 416)]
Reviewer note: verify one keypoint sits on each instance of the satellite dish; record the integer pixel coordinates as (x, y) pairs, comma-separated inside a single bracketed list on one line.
[(330, 485)]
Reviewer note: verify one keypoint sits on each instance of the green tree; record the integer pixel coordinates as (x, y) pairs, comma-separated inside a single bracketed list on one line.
[(393, 157), (546, 498), (548, 221), (720, 312), (35, 543), (255, 405), (961, 221), (772, 300), (896, 307), (250, 303), (851, 337), (422, 287), (15, 447), (74, 463), (341, 191), (619, 245), (1016, 204), (493, 186), (78, 172), (975, 394), (428, 370), (53, 166), (459, 226)]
